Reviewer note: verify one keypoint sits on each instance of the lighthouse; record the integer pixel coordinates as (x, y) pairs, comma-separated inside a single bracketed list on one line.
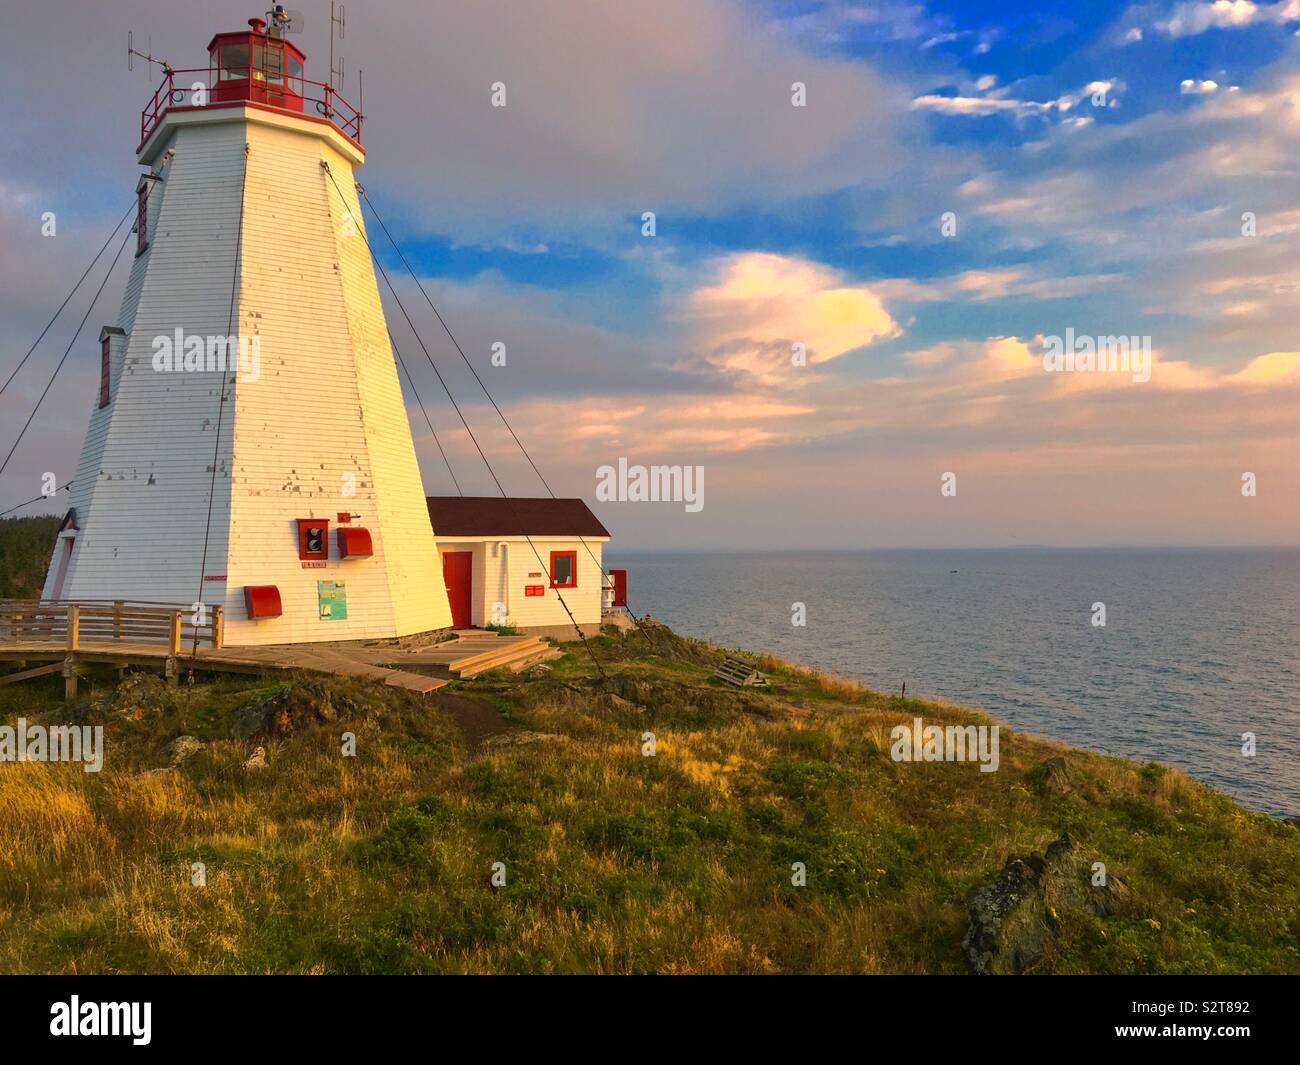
[(248, 444)]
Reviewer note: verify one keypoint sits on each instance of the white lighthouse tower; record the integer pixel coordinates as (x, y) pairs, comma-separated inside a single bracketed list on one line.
[(249, 445)]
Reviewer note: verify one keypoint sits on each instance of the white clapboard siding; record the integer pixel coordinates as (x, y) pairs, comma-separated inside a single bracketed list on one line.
[(497, 569), (92, 451), (323, 414), (142, 528)]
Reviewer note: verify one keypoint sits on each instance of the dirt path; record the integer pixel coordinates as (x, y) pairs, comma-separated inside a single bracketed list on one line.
[(477, 720)]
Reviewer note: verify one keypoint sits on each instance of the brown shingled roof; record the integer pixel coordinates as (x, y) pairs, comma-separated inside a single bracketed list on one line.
[(494, 516)]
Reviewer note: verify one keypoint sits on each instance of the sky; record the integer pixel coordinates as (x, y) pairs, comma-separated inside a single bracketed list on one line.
[(962, 183)]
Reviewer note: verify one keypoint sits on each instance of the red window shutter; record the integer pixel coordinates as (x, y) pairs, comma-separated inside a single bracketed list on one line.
[(104, 349)]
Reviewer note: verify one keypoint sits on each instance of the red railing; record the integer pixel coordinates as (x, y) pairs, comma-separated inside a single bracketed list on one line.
[(206, 86)]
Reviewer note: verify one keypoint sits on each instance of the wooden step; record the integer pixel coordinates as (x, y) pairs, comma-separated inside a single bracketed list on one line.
[(451, 650), (546, 656), (413, 681), (515, 657), (505, 647)]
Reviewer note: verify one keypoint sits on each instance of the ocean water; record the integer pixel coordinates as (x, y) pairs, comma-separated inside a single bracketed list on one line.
[(1199, 647)]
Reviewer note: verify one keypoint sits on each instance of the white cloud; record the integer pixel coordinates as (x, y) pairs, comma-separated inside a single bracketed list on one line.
[(1191, 19), (1101, 93), (758, 305)]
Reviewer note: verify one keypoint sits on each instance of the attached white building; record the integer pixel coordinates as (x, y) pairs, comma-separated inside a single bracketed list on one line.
[(520, 562)]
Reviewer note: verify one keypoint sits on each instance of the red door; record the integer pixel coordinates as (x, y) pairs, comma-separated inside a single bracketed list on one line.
[(620, 586), (458, 573)]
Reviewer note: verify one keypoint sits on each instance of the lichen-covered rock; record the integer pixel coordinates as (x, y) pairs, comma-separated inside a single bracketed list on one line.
[(1012, 919), (182, 748), (993, 942), (284, 712), (140, 696), (256, 717), (1056, 776)]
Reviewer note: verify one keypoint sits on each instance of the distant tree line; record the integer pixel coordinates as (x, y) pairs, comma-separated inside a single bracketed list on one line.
[(25, 548)]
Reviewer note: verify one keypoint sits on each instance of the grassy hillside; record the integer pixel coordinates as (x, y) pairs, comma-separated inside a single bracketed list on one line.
[(615, 862), (25, 546)]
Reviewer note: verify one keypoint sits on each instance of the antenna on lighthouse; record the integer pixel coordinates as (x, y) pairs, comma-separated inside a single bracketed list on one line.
[(337, 25), (132, 52), (283, 22)]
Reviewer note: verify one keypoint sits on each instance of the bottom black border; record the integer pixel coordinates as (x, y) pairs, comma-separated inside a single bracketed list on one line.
[(259, 1014)]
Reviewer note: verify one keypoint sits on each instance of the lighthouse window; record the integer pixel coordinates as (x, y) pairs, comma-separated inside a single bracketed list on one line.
[(269, 59), (234, 61), (564, 569), (142, 218)]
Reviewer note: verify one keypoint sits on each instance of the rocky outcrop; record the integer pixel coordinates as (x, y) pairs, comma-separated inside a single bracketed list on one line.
[(1056, 777), (1012, 920), (639, 693), (282, 713), (141, 697)]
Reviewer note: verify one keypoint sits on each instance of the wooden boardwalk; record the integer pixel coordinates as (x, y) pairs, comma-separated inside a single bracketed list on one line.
[(58, 638)]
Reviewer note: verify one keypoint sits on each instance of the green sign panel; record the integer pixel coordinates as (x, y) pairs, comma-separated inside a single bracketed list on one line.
[(333, 599)]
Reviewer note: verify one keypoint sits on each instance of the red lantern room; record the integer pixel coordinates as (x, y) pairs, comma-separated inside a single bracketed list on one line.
[(258, 66)]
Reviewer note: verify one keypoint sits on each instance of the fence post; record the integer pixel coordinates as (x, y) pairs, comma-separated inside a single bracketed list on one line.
[(218, 627), (118, 604), (69, 679), (74, 623), (175, 640)]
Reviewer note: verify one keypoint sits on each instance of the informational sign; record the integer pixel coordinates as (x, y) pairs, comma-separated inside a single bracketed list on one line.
[(333, 599), (534, 589)]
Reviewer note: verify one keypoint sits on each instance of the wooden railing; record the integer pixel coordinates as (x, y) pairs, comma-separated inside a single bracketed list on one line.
[(84, 624)]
